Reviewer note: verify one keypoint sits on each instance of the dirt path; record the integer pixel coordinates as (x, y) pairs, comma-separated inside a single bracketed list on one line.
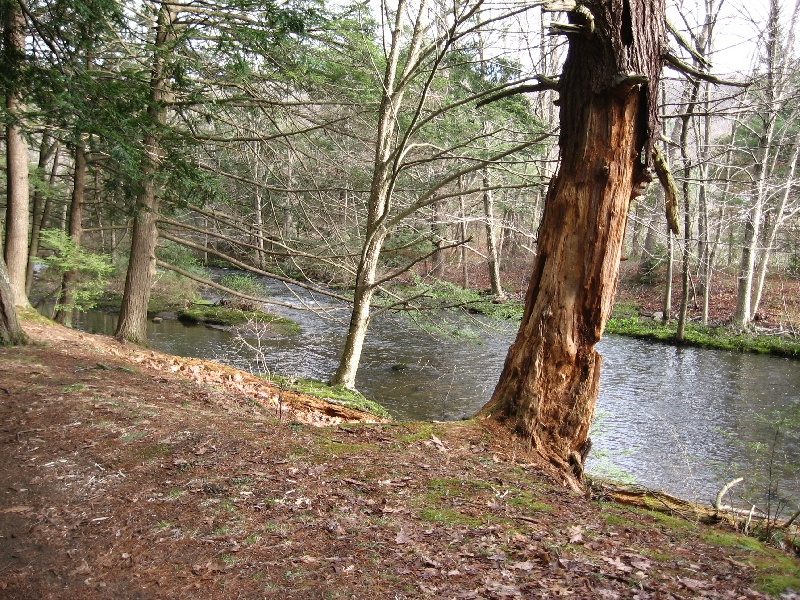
[(129, 474)]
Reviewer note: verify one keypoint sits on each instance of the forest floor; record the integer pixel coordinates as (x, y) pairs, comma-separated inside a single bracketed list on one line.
[(125, 473)]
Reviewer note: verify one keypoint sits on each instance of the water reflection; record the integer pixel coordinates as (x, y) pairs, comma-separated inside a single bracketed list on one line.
[(685, 414)]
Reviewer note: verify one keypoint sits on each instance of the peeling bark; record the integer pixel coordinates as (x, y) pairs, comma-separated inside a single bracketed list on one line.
[(609, 124)]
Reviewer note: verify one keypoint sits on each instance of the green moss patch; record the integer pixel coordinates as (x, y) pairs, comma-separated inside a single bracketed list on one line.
[(527, 503), (419, 431), (343, 449), (667, 520), (229, 317), (775, 583), (337, 394), (458, 486), (154, 451), (733, 540), (705, 337)]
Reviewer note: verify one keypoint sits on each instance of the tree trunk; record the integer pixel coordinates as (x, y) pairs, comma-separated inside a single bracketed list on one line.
[(691, 104), (16, 248), (666, 306), (359, 318), (49, 149), (132, 324), (776, 73), (258, 217), (712, 256), (379, 201), (752, 229), (703, 243), (638, 225), (65, 304), (11, 333), (649, 246), (493, 259), (438, 232), (771, 231), (680, 332), (609, 121), (462, 234)]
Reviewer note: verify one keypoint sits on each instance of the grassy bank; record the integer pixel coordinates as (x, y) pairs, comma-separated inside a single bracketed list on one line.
[(225, 316), (699, 336), (336, 394)]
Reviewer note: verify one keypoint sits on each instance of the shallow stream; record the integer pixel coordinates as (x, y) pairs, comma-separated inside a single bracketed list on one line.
[(679, 419)]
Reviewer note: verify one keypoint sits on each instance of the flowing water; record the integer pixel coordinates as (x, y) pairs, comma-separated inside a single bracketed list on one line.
[(679, 419)]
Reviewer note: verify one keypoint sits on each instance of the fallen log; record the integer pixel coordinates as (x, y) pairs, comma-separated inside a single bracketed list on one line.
[(642, 497)]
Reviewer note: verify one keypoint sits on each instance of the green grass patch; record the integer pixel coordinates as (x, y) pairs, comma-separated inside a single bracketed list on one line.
[(733, 540), (418, 431), (442, 295), (665, 519), (230, 317), (457, 487), (625, 310), (614, 520), (778, 583), (343, 449), (245, 283), (75, 387), (32, 315), (154, 451), (525, 501), (337, 394), (161, 300), (659, 556), (776, 571), (705, 337)]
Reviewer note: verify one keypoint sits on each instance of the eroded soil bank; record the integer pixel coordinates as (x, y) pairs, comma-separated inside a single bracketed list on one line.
[(129, 474)]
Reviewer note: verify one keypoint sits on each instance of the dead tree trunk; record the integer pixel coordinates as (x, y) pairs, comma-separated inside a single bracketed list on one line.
[(609, 123)]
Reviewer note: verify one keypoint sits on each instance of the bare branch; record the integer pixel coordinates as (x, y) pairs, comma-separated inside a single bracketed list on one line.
[(677, 64), (670, 189), (222, 288), (684, 43), (246, 267), (545, 83)]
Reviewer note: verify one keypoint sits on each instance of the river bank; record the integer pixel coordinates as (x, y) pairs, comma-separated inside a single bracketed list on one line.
[(133, 474), (639, 305), (445, 368)]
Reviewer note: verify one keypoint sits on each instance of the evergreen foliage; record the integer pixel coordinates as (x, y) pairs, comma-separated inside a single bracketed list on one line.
[(93, 270)]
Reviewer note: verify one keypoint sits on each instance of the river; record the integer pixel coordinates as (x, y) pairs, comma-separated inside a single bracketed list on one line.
[(680, 419)]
